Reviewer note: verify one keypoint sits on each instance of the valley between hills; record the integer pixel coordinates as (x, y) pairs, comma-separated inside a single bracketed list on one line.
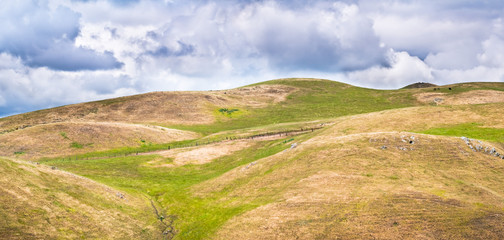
[(283, 159)]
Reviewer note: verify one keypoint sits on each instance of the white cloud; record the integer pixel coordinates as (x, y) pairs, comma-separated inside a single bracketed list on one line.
[(200, 44), (492, 54), (477, 74), (404, 69)]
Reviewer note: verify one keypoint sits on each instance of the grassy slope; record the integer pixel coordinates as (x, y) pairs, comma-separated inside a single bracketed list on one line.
[(40, 203), (198, 217), (471, 130), (315, 100), (350, 188), (51, 140), (324, 99), (205, 197)]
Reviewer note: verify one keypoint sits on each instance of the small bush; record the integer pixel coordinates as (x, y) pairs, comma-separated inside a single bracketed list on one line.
[(76, 145), (64, 135), (228, 111), (93, 110)]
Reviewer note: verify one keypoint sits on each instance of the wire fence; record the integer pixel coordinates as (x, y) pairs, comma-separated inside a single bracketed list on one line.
[(194, 144)]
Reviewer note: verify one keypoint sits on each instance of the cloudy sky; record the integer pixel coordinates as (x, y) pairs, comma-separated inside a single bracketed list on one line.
[(57, 52)]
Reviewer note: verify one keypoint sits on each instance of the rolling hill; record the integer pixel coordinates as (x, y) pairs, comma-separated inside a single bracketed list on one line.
[(42, 202), (282, 159)]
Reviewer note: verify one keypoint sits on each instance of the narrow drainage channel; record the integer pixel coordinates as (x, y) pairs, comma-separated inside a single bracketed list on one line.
[(168, 231)]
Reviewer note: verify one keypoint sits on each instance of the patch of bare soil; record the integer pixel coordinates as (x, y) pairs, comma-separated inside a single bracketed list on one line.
[(471, 97), (436, 98), (200, 154)]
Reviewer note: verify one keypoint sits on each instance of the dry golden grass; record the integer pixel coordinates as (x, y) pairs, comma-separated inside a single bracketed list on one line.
[(156, 107), (104, 125), (51, 140), (471, 97), (415, 119), (41, 203), (254, 96), (350, 188), (341, 184)]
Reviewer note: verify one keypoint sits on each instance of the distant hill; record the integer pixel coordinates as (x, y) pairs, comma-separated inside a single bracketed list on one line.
[(420, 85)]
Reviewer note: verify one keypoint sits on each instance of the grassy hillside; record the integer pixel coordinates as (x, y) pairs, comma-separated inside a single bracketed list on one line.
[(38, 202), (369, 185), (315, 100), (385, 164), (171, 186), (244, 189), (141, 120), (57, 139)]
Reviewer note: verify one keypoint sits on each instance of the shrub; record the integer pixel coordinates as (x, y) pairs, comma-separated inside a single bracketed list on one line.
[(76, 145), (64, 135), (228, 111)]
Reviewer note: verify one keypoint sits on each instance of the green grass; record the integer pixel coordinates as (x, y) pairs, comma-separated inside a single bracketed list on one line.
[(76, 145), (315, 100), (171, 187), (228, 111), (147, 147), (470, 130), (64, 135)]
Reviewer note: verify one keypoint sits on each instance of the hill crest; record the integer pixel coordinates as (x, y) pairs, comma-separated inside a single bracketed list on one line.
[(420, 85)]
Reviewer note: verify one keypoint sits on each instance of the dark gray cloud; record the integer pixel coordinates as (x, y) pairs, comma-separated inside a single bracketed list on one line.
[(44, 37), (181, 50), (66, 57)]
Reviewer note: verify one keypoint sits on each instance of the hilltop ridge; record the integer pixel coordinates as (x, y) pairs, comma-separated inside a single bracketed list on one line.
[(420, 85)]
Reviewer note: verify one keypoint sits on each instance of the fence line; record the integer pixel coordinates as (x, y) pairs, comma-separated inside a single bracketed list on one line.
[(195, 144)]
